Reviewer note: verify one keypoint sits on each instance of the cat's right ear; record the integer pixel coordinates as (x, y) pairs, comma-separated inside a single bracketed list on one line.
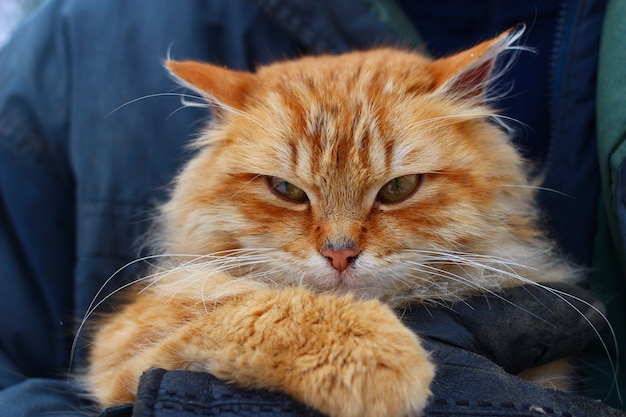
[(223, 87)]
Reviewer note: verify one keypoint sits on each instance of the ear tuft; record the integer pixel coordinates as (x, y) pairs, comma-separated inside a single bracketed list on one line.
[(227, 88), (468, 73)]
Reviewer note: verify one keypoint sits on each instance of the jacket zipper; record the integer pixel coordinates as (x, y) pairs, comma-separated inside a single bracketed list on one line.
[(554, 77)]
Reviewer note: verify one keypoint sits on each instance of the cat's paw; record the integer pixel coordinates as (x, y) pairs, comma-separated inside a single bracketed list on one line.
[(343, 357), (360, 360)]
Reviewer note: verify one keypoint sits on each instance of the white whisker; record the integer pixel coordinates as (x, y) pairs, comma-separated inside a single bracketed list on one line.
[(183, 96), (218, 262), (420, 267), (505, 268), (540, 188), (562, 295)]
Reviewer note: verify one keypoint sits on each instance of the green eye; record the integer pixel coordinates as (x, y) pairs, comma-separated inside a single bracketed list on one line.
[(286, 190), (399, 189)]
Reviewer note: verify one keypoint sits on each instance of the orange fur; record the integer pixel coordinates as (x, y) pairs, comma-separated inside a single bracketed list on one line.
[(246, 292), (315, 335)]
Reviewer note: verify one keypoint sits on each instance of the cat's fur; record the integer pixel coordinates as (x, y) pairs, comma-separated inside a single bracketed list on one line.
[(297, 296)]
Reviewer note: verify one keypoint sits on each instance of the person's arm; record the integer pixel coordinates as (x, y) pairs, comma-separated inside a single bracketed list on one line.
[(611, 120), (608, 278), (36, 221)]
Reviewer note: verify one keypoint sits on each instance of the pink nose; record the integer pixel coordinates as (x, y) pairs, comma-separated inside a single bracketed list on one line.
[(340, 259)]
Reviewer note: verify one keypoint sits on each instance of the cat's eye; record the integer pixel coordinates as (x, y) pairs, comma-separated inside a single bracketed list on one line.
[(286, 190), (399, 189)]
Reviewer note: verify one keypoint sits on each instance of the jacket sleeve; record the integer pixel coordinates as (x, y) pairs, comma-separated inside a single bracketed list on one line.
[(612, 119), (36, 219), (608, 279), (477, 341)]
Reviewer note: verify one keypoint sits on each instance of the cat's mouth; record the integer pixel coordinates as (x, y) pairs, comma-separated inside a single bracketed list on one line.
[(342, 276), (351, 271)]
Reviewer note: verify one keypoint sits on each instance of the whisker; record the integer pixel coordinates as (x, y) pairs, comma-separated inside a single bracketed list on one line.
[(464, 259), (459, 255), (154, 278), (181, 95), (562, 295), (84, 321), (443, 273), (541, 189), (468, 283), (481, 262)]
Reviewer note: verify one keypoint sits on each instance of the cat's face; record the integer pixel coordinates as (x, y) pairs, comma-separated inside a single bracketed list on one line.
[(371, 172)]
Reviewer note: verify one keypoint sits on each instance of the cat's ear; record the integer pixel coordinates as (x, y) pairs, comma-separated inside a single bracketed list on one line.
[(468, 73), (224, 87)]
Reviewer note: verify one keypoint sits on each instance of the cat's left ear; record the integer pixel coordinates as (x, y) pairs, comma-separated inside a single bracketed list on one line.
[(224, 87), (468, 73)]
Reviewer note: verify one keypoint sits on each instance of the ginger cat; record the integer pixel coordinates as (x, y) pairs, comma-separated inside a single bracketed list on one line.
[(327, 192)]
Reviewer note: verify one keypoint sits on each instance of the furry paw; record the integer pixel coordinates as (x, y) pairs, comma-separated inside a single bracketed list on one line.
[(340, 356), (367, 363)]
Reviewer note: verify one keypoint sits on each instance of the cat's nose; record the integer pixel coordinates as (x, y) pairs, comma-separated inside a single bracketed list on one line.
[(340, 259)]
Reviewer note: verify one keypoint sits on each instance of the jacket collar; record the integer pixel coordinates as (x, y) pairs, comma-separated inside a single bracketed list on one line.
[(330, 26)]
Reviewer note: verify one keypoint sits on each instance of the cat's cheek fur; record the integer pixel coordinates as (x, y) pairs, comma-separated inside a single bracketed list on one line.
[(341, 356)]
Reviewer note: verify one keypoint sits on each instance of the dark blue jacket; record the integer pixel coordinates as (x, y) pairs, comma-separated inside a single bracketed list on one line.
[(79, 174)]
